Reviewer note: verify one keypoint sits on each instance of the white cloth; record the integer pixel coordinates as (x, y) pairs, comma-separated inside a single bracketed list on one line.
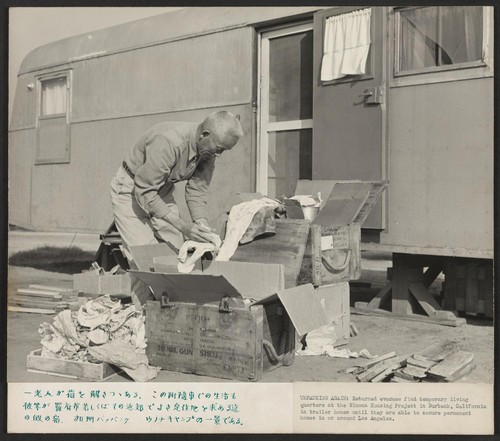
[(240, 217), (186, 264), (346, 45)]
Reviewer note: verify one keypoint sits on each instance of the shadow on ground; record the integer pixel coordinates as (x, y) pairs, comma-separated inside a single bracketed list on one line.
[(55, 259)]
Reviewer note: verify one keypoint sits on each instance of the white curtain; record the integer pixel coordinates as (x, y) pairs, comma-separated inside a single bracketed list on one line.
[(54, 96), (346, 45)]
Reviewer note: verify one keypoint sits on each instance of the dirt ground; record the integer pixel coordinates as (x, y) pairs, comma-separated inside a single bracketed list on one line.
[(379, 335)]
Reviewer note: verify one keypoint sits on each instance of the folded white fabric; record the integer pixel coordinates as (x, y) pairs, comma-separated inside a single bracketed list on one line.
[(240, 217), (186, 263)]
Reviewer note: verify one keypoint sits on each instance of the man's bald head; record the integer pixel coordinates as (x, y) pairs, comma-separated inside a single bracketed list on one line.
[(224, 126)]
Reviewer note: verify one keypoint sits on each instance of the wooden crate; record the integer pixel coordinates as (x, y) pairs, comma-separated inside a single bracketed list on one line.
[(200, 339), (68, 368), (332, 255), (468, 286)]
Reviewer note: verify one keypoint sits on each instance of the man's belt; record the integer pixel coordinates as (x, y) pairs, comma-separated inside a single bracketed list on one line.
[(129, 172)]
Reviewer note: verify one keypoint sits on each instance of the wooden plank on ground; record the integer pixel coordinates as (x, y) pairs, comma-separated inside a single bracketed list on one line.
[(50, 288), (421, 362), (414, 371), (379, 368), (452, 364), (376, 360), (39, 293), (286, 247), (459, 375), (30, 310), (361, 309), (438, 351)]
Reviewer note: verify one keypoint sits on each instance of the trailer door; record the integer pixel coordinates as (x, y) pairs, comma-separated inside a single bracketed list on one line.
[(285, 135), (349, 108)]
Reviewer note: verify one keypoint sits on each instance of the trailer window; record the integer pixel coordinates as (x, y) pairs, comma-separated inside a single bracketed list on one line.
[(53, 96), (53, 128), (438, 38)]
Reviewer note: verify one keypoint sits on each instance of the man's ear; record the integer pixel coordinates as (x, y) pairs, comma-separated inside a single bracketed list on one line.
[(204, 133)]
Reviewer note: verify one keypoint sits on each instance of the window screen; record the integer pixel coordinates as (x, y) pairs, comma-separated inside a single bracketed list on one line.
[(439, 36)]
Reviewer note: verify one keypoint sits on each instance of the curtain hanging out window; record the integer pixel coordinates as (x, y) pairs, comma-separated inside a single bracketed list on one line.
[(346, 45)]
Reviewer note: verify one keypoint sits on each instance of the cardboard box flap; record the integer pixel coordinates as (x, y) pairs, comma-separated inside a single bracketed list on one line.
[(188, 288), (303, 307), (143, 254), (252, 280)]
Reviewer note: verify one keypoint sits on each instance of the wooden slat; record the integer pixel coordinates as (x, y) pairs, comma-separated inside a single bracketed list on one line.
[(286, 247), (461, 374), (460, 297), (376, 360), (70, 368), (421, 363), (471, 289), (379, 368), (400, 293), (383, 295), (426, 301), (450, 287), (451, 364), (438, 351), (50, 288), (39, 293), (415, 371), (361, 308), (488, 301), (30, 310), (430, 275)]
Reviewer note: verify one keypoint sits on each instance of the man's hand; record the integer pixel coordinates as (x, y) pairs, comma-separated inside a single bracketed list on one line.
[(197, 232)]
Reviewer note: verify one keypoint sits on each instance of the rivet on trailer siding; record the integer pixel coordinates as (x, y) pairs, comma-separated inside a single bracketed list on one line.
[(30, 86)]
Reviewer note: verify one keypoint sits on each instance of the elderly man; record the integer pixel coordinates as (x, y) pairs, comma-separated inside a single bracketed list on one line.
[(142, 190)]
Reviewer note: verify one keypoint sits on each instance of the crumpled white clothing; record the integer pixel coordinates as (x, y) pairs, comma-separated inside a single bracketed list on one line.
[(186, 264), (133, 361), (240, 217)]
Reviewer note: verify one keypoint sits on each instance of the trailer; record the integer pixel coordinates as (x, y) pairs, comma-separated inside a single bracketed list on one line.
[(418, 114)]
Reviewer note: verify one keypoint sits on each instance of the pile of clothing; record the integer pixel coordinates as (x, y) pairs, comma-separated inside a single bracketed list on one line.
[(102, 330)]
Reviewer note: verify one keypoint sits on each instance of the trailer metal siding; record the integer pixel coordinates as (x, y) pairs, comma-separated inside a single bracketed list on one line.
[(181, 24), (441, 167), (173, 76)]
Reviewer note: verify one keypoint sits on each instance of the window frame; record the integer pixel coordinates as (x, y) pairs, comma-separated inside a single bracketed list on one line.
[(452, 72), (67, 73)]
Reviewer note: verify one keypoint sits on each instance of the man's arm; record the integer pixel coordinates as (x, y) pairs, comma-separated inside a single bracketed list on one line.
[(197, 191), (151, 176)]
